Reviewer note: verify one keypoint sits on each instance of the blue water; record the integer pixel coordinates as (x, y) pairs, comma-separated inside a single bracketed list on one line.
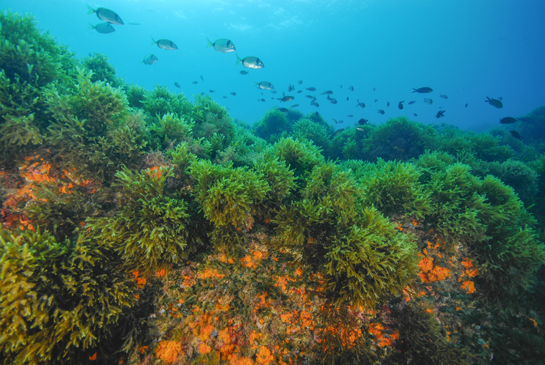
[(467, 50)]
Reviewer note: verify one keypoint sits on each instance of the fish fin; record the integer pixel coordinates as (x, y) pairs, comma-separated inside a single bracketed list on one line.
[(91, 10), (238, 59), (91, 26), (153, 41), (210, 44)]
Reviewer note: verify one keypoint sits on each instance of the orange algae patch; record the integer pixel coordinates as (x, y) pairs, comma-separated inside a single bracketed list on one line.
[(169, 351), (93, 357), (204, 348), (430, 273), (208, 273), (469, 286), (161, 273), (264, 356)]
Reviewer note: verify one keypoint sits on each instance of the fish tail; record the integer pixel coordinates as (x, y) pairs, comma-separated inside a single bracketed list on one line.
[(91, 10), (153, 41), (91, 26), (210, 44), (238, 59)]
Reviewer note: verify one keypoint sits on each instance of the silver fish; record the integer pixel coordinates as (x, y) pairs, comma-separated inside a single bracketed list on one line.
[(164, 44), (428, 101), (106, 14), (423, 90), (150, 59), (264, 85), (250, 62), (103, 28), (222, 45)]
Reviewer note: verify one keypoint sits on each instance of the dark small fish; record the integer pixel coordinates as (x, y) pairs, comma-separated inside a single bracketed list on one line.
[(250, 62), (333, 101), (350, 115), (335, 120), (299, 91), (291, 88), (440, 114), (294, 106), (195, 82), (311, 88), (164, 44), (416, 115), (133, 23), (400, 105), (508, 120), (423, 90), (272, 98), (310, 97), (202, 93), (380, 111), (106, 14), (443, 96), (360, 104), (202, 79), (283, 110), (314, 103), (263, 100), (222, 45), (388, 104), (347, 98), (286, 98), (467, 105), (328, 92), (376, 100), (374, 89), (233, 93), (242, 72), (212, 91), (150, 59), (341, 121), (412, 102), (516, 135), (351, 88), (177, 85), (300, 82), (273, 92), (103, 28), (494, 102), (225, 97), (363, 121), (428, 101)]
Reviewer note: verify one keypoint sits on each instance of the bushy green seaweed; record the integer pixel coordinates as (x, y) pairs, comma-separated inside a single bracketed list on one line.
[(60, 300), (102, 70), (399, 139), (153, 226), (272, 125), (91, 141), (29, 60), (362, 257), (394, 188)]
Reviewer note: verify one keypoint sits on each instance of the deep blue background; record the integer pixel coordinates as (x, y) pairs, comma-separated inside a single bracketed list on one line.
[(465, 49)]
